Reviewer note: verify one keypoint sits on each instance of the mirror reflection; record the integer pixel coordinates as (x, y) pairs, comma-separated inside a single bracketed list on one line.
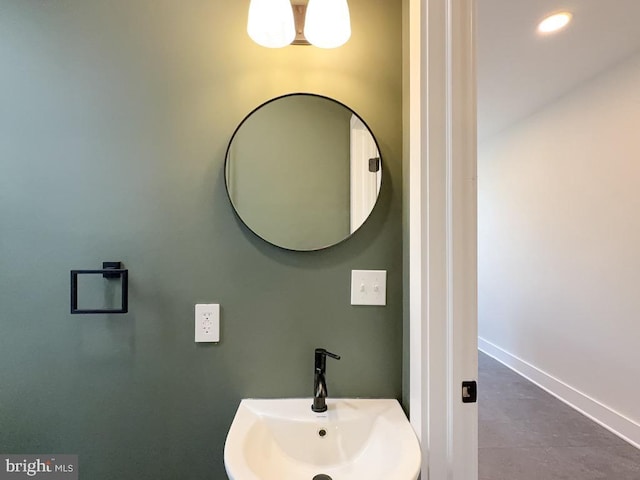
[(303, 172)]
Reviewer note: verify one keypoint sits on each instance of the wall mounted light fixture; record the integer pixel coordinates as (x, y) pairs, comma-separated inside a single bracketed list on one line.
[(278, 23)]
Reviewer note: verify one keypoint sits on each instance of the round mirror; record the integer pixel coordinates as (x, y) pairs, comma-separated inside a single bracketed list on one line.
[(303, 172)]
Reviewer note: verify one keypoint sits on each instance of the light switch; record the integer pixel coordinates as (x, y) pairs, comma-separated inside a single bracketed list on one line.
[(368, 287)]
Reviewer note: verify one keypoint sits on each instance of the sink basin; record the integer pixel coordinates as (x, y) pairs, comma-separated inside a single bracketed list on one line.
[(282, 439)]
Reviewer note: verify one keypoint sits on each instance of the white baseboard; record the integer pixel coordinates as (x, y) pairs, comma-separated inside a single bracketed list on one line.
[(613, 421)]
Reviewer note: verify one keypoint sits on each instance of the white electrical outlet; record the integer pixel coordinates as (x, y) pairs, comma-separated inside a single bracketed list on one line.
[(368, 287), (207, 322)]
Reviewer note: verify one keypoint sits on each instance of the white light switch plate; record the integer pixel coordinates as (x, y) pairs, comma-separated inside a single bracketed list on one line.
[(207, 322), (368, 287)]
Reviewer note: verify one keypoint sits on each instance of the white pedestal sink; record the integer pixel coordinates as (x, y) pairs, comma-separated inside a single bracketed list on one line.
[(282, 439)]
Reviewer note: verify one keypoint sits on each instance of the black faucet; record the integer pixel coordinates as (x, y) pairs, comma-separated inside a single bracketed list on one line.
[(319, 382)]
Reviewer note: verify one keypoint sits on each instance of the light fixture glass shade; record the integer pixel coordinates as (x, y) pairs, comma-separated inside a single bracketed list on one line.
[(271, 23), (328, 24)]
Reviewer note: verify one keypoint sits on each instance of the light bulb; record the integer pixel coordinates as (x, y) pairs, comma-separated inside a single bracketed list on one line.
[(271, 23), (328, 24), (554, 22)]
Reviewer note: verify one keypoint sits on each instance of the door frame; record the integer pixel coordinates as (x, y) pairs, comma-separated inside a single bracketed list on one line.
[(441, 140), (364, 183)]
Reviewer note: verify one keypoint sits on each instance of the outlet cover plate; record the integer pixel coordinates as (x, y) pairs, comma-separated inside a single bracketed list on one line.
[(207, 323), (369, 287)]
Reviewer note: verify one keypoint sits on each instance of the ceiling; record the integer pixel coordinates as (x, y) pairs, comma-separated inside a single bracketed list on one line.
[(520, 71)]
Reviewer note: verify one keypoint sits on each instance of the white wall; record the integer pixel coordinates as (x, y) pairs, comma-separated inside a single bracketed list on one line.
[(559, 247)]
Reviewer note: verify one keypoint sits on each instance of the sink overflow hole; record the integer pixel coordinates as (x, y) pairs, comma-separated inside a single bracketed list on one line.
[(322, 476), (322, 432)]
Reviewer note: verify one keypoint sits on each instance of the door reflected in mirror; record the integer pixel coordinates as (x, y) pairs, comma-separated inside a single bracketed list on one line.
[(303, 172)]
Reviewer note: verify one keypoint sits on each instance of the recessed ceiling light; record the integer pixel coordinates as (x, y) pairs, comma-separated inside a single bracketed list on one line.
[(554, 22)]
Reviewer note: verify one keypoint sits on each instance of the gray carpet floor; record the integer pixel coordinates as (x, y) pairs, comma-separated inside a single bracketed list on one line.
[(527, 434)]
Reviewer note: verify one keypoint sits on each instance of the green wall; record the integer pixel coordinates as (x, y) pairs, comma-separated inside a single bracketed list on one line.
[(114, 120)]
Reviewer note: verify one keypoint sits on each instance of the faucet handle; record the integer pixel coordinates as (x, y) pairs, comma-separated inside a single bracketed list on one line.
[(332, 355), (321, 359), (323, 352)]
